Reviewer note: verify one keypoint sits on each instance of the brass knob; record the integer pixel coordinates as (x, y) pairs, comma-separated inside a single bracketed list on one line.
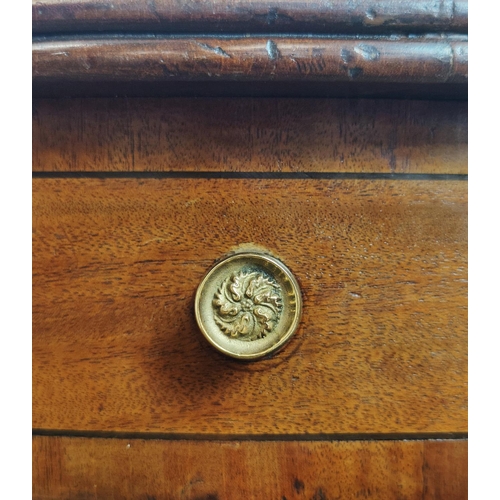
[(248, 305)]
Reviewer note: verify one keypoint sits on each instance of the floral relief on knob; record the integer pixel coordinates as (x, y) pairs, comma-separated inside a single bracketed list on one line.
[(247, 305)]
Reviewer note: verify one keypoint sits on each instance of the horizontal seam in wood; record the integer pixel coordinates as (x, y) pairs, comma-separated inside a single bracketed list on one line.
[(247, 437), (248, 175), (390, 36)]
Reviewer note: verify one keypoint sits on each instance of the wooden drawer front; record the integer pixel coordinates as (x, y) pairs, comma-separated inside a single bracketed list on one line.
[(134, 468), (364, 200), (382, 343)]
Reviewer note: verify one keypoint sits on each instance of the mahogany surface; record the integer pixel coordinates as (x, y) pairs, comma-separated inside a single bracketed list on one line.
[(250, 135), (364, 198), (381, 265), (134, 468)]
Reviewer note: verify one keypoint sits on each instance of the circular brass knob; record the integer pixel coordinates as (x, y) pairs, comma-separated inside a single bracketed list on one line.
[(248, 305)]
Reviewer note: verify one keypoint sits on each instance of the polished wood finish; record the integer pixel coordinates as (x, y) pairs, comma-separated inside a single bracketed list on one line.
[(135, 59), (382, 343), (228, 16), (132, 48), (364, 200), (250, 135), (123, 469)]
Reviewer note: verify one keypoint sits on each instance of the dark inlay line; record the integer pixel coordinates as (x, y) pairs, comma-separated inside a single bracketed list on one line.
[(247, 437), (249, 175), (392, 36)]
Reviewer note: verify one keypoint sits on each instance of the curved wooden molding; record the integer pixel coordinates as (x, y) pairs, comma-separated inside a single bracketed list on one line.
[(247, 16), (173, 61)]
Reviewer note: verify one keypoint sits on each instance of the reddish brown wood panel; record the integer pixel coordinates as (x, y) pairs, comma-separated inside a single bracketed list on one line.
[(123, 469), (445, 461), (151, 59), (381, 347), (265, 135), (250, 15)]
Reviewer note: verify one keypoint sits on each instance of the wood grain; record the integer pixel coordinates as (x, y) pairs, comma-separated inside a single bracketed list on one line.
[(179, 59), (123, 469), (259, 135), (382, 344), (341, 16)]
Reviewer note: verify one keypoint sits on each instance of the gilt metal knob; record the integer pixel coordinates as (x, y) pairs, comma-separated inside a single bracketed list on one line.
[(248, 305)]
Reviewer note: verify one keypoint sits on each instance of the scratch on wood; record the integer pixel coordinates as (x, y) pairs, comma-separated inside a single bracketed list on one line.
[(216, 50), (368, 52), (272, 50), (371, 14)]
